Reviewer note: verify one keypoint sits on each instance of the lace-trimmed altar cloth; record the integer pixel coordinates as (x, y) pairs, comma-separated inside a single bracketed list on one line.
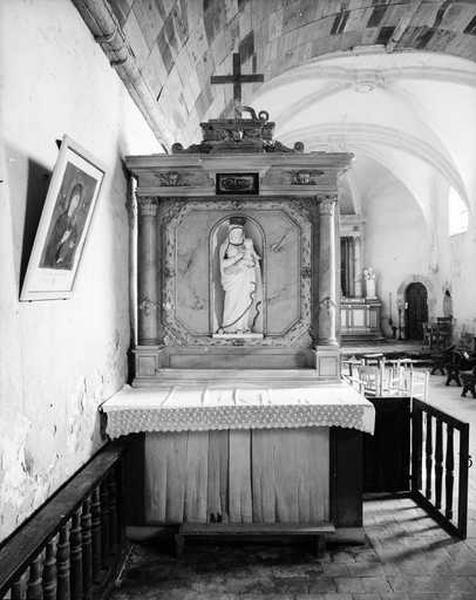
[(211, 405)]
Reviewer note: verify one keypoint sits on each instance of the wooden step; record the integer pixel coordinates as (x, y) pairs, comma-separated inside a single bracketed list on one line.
[(317, 531), (191, 529), (236, 374)]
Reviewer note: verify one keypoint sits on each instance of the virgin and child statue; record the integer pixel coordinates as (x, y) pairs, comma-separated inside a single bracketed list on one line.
[(241, 282)]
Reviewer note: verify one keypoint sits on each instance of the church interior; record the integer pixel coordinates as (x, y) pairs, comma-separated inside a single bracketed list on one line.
[(337, 138)]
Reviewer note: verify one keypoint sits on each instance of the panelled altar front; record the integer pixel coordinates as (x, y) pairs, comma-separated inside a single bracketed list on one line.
[(237, 365)]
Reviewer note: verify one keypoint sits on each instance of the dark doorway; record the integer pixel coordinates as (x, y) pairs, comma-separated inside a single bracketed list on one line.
[(416, 313)]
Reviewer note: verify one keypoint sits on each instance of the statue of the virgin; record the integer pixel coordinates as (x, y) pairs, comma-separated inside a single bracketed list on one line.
[(241, 281)]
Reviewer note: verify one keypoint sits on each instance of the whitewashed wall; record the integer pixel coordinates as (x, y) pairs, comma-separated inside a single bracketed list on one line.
[(397, 240), (59, 359)]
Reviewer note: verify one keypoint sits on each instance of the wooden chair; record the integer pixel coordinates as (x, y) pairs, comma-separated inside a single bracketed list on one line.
[(439, 360), (469, 383), (444, 331), (459, 361), (370, 380), (376, 359), (429, 336)]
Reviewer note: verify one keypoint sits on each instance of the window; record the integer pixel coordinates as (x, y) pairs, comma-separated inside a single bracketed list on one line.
[(458, 214)]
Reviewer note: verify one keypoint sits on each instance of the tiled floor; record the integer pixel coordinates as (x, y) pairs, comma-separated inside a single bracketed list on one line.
[(406, 555)]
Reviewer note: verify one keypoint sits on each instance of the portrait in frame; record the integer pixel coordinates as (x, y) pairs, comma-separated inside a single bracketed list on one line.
[(64, 223)]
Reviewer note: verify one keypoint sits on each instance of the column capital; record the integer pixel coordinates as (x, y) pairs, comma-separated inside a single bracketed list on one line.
[(147, 206), (327, 203)]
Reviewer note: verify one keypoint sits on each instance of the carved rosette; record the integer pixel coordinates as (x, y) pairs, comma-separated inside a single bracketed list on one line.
[(328, 303), (147, 306)]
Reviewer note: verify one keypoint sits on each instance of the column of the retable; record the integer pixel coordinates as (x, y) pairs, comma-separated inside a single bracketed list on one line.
[(357, 268), (351, 266), (147, 268), (348, 266), (327, 271)]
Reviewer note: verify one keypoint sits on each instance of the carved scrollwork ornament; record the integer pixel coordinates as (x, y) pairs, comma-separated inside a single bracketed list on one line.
[(170, 179), (327, 204), (147, 206)]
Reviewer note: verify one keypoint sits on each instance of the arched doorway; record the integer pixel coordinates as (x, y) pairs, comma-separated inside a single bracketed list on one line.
[(416, 310)]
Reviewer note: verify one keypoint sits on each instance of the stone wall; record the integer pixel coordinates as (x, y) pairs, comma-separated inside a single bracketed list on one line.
[(59, 359)]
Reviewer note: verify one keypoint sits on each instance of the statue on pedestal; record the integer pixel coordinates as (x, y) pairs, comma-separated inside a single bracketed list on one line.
[(241, 281), (369, 276)]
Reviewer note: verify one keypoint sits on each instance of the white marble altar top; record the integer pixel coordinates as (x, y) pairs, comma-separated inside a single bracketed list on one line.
[(236, 403)]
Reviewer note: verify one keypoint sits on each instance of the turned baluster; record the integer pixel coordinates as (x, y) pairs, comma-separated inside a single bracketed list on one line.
[(438, 461), (87, 549), (417, 440), (463, 479), (76, 557), (34, 590), (429, 456), (112, 494), (62, 562), (449, 466), (96, 533), (105, 533), (120, 492), (50, 572)]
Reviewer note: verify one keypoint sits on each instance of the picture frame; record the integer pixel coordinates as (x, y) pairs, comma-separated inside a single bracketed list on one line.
[(63, 228)]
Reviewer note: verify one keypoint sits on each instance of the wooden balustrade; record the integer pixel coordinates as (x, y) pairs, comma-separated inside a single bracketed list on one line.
[(437, 466), (71, 547)]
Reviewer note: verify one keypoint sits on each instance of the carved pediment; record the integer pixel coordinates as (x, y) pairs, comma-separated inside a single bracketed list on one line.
[(223, 136)]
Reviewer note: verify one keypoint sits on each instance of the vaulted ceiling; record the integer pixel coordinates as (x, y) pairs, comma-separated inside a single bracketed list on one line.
[(166, 50), (393, 81)]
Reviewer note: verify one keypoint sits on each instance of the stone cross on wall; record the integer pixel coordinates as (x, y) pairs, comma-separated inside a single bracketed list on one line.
[(236, 78)]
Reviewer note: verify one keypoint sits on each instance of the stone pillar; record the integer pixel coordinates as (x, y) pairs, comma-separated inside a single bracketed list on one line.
[(147, 269), (357, 267), (327, 271)]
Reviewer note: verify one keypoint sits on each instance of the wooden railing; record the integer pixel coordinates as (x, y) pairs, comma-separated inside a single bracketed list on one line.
[(440, 456), (70, 548)]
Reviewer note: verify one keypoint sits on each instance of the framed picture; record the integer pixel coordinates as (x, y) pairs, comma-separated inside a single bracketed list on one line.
[(64, 224)]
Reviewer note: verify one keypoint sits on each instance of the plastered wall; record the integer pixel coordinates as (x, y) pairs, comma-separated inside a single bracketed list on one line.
[(397, 242), (457, 268), (402, 246), (59, 359)]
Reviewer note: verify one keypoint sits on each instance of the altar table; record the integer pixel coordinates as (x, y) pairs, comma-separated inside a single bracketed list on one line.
[(236, 450)]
